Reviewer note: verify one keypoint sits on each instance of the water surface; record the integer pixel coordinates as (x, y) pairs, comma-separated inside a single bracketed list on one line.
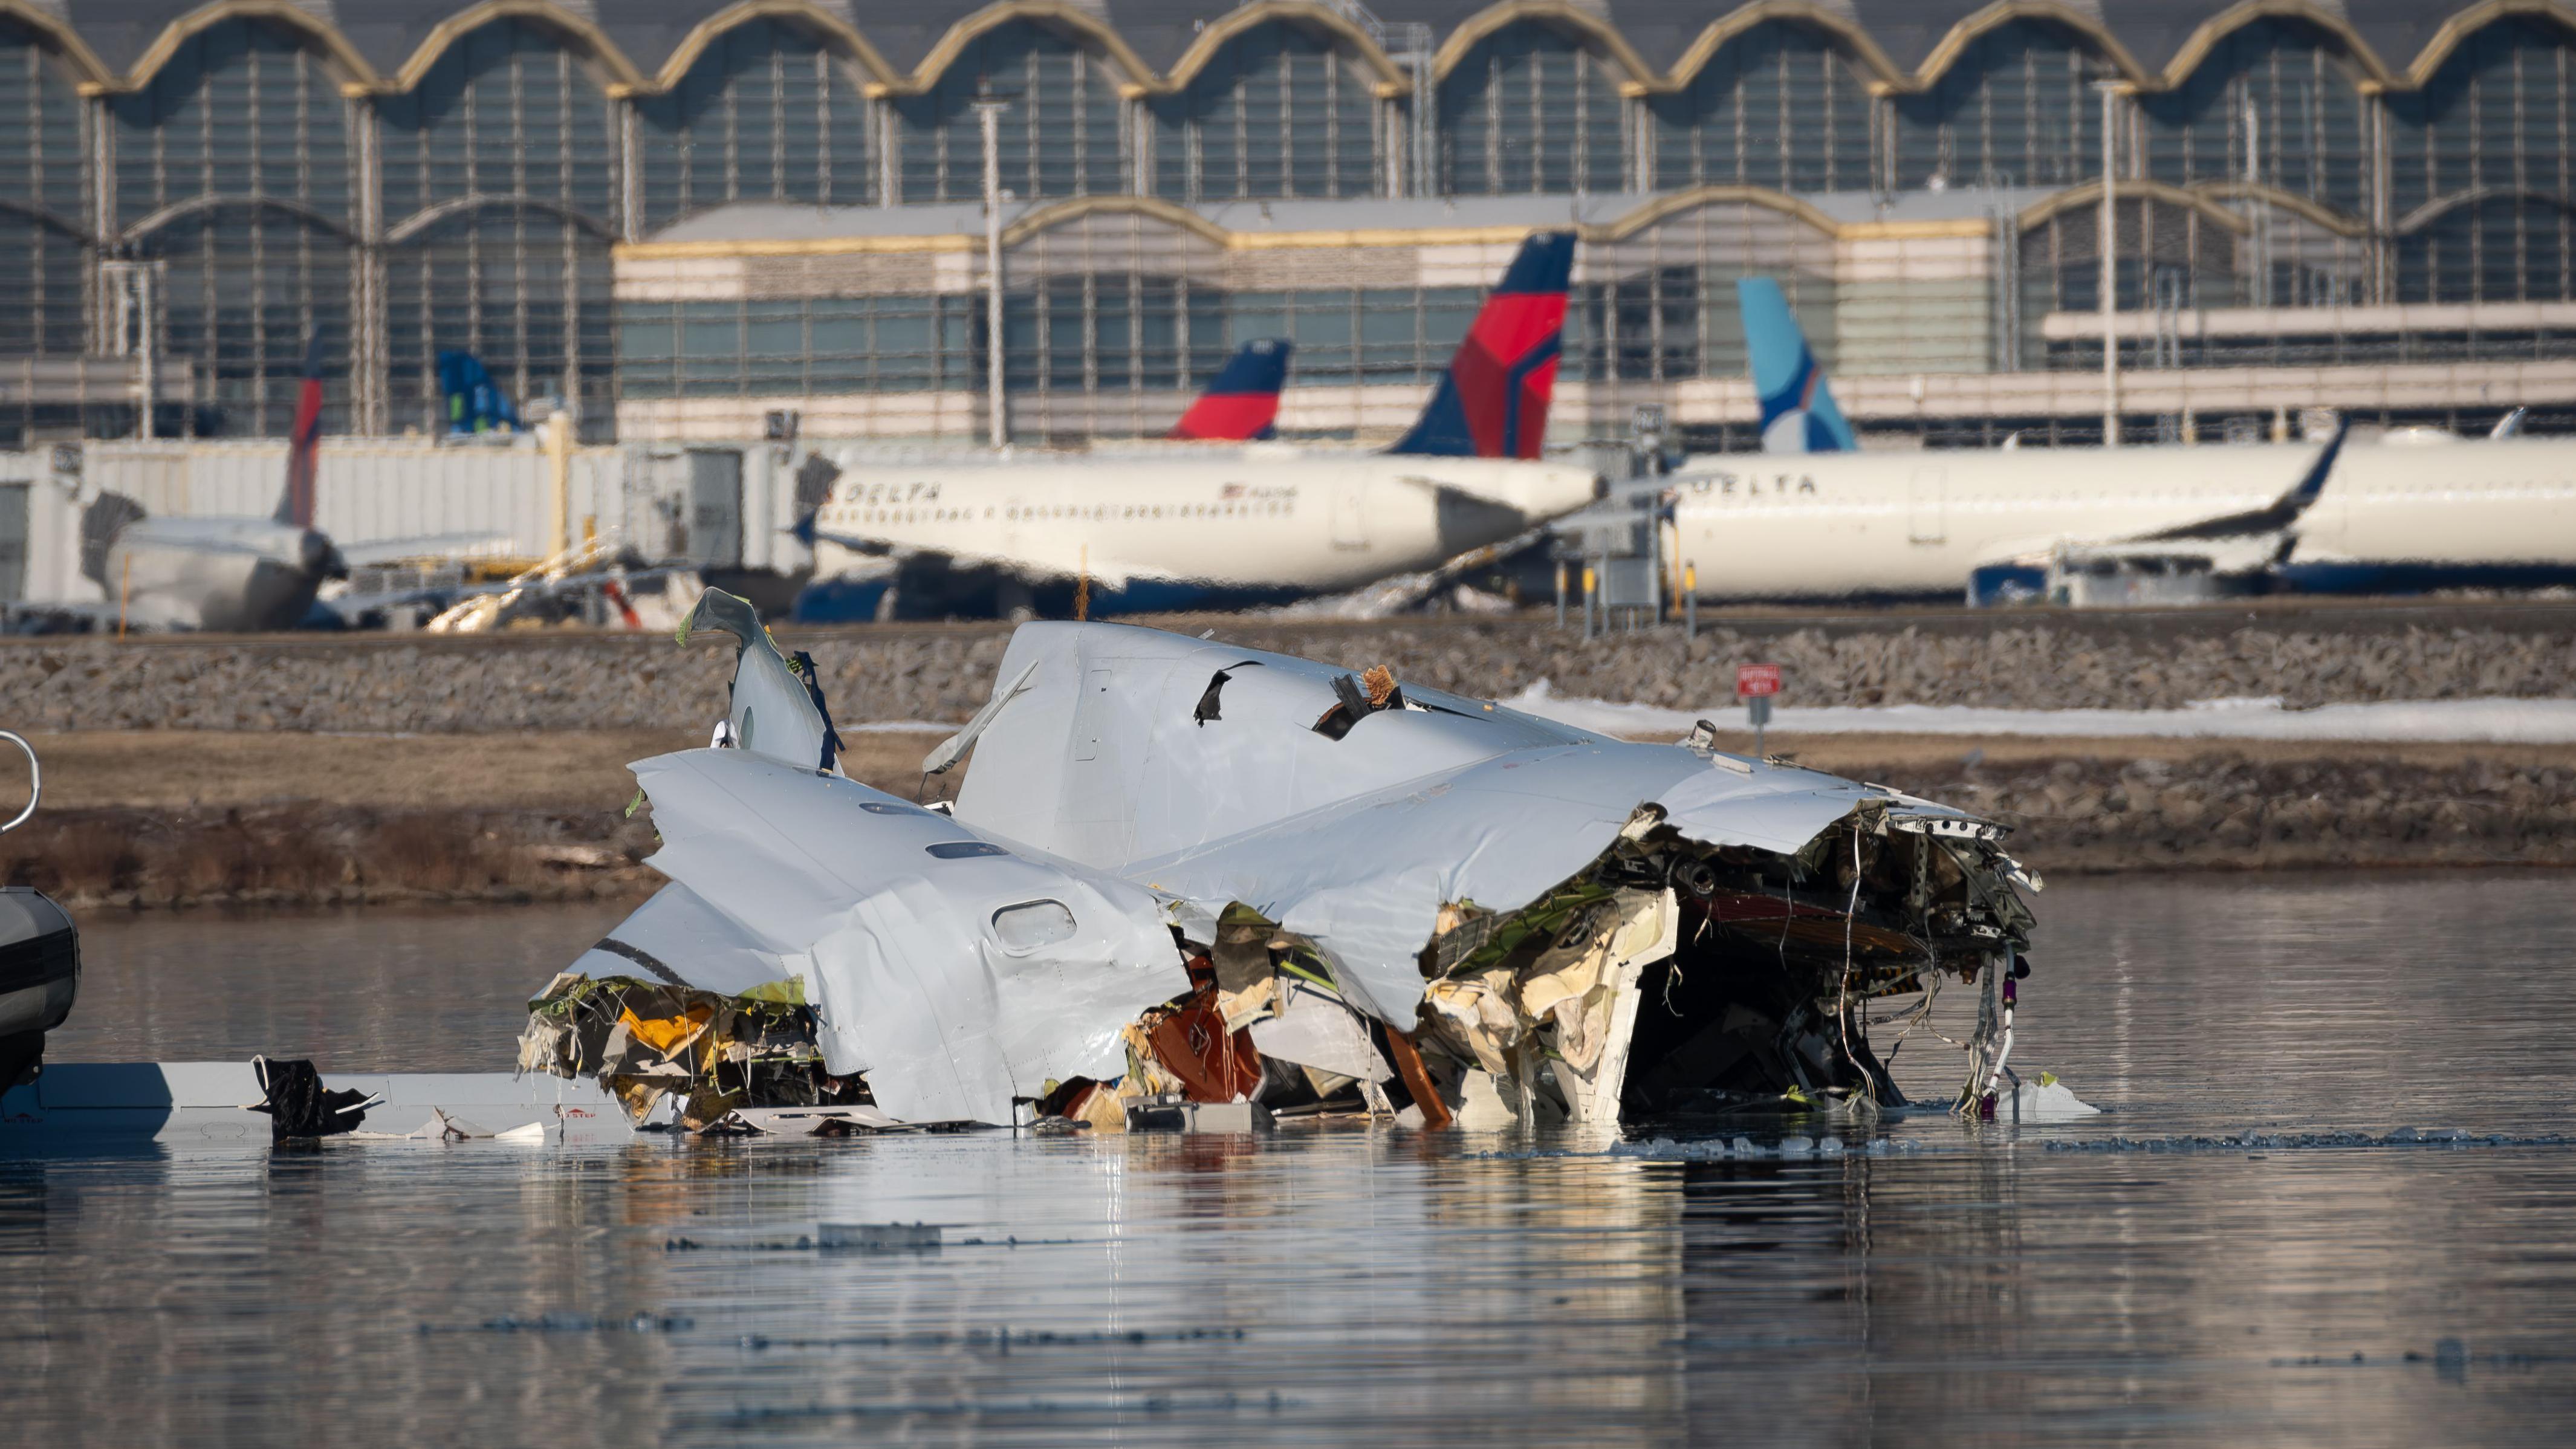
[(1335, 1286)]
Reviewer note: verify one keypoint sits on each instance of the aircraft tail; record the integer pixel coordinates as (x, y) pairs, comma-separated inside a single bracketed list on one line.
[(1798, 411), (1243, 403), (296, 507), (1492, 402), (474, 403)]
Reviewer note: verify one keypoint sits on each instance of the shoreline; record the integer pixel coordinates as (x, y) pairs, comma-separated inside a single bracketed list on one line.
[(145, 820)]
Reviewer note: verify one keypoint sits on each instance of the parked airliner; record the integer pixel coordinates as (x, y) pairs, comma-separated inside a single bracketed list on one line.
[(225, 574), (1812, 517), (1221, 527)]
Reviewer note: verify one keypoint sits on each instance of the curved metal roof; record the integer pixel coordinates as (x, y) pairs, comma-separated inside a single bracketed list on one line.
[(1916, 40)]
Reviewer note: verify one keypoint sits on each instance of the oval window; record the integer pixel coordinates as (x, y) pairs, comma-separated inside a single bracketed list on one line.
[(1032, 924), (962, 849)]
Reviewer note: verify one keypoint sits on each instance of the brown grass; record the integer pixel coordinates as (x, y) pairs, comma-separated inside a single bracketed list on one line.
[(564, 770), (317, 853)]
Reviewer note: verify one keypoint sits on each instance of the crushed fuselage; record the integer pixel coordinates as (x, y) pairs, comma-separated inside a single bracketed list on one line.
[(1182, 872)]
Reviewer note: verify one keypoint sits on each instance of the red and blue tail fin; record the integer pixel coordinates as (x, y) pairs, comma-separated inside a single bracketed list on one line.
[(1492, 402), (1243, 402), (296, 506)]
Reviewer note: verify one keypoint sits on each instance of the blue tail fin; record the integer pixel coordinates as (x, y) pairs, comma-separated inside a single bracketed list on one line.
[(1798, 411), (1492, 402)]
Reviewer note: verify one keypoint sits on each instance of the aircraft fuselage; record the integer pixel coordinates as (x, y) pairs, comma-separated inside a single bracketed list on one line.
[(1844, 524), (1252, 522)]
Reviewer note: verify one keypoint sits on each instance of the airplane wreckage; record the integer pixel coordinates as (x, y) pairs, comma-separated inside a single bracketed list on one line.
[(1180, 873), (1187, 884)]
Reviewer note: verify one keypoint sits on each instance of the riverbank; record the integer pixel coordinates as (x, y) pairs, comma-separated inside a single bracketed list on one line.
[(152, 818), (623, 681)]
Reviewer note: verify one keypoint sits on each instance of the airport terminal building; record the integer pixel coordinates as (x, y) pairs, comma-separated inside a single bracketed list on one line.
[(696, 220)]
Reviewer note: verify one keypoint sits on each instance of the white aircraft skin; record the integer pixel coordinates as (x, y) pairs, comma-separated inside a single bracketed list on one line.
[(2464, 504), (1843, 524), (1264, 520)]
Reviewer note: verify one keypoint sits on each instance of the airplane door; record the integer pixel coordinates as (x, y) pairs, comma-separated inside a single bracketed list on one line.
[(1350, 514), (1927, 506)]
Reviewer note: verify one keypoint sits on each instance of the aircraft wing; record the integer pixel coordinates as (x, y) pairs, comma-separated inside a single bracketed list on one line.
[(438, 545), (2275, 519), (1108, 573), (2230, 545), (2231, 542)]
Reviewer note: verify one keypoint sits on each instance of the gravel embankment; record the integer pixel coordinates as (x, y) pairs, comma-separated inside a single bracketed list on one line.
[(625, 682)]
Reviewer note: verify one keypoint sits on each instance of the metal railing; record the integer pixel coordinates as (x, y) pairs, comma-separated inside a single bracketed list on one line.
[(35, 780)]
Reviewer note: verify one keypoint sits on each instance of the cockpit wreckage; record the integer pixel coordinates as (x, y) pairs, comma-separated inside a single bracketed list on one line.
[(1184, 878)]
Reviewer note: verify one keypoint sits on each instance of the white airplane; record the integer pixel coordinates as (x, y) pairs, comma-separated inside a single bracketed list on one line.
[(1811, 517), (232, 575), (1219, 528)]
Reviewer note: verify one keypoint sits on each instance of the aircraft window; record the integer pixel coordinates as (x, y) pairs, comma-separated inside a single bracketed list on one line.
[(962, 849), (1032, 924), (888, 807)]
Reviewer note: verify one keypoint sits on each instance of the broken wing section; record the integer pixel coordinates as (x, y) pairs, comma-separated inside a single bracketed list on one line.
[(1615, 929), (775, 705), (951, 970), (1368, 877)]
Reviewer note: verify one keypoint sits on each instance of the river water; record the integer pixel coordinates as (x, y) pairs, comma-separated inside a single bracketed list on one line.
[(1330, 1286)]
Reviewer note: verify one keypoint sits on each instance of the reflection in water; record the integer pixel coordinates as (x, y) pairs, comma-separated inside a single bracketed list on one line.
[(1332, 1286)]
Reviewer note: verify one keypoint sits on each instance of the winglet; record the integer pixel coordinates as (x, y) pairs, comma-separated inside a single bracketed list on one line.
[(1243, 402), (1492, 402), (2275, 516), (2314, 482), (1798, 410)]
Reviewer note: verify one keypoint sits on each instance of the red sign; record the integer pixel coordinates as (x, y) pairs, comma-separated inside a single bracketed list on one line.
[(1753, 680)]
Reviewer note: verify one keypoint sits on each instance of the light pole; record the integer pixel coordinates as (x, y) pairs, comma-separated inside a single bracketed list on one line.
[(2110, 248), (988, 110)]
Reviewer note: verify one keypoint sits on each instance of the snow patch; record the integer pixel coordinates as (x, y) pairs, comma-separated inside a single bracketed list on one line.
[(2495, 721)]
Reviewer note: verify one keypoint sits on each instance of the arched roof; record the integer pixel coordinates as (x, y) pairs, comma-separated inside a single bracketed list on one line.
[(199, 205), (1158, 45), (321, 35), (1055, 14), (1048, 218), (1956, 45), (1596, 32), (2457, 27), (1847, 36), (837, 33), (2089, 195), (2442, 206), (1664, 208), (581, 30), (2207, 37), (60, 37), (1250, 17)]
